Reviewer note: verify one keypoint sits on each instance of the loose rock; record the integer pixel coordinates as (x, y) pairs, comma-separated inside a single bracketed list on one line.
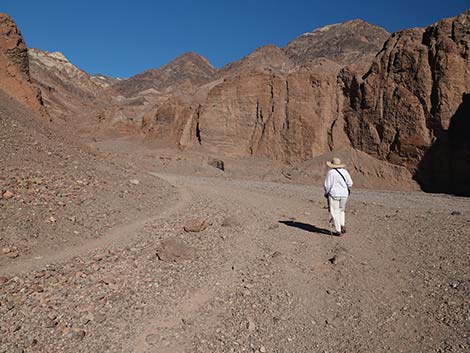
[(196, 225)]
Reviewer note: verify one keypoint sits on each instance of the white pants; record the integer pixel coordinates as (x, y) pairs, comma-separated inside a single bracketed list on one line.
[(337, 211)]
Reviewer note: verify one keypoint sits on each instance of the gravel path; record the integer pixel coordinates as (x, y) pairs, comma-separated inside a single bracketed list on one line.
[(264, 276)]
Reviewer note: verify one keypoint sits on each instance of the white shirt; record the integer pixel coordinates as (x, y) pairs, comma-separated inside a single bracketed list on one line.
[(335, 185)]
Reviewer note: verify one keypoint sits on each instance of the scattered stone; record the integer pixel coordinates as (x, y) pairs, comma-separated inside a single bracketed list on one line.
[(6, 250), (230, 221), (175, 250), (335, 259), (134, 182), (78, 334), (456, 213), (251, 326), (263, 349), (52, 219), (276, 254), (8, 195), (196, 225), (3, 280), (217, 163), (50, 323), (108, 280), (151, 339), (13, 254)]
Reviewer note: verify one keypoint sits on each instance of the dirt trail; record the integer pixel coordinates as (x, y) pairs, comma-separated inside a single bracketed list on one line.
[(120, 235)]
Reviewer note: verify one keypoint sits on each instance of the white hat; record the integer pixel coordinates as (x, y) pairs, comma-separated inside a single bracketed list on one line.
[(335, 163)]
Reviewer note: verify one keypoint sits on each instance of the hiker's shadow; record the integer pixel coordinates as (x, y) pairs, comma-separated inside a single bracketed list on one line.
[(307, 227)]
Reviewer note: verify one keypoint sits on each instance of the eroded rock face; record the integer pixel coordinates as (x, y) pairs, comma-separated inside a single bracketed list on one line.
[(14, 66), (407, 108), (173, 121), (284, 117)]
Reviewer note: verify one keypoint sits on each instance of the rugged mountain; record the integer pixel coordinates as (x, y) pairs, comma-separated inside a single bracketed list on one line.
[(14, 66), (184, 74), (412, 108), (276, 103), (66, 88), (286, 104), (343, 43)]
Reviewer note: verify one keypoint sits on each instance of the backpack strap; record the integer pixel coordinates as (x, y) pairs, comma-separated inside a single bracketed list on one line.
[(342, 176)]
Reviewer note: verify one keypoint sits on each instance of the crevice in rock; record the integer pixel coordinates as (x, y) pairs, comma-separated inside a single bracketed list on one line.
[(433, 121), (286, 115), (198, 129), (271, 85), (330, 135), (395, 145)]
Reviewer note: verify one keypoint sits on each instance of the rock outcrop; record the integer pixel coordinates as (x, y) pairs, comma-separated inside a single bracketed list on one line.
[(412, 107), (14, 66), (284, 117)]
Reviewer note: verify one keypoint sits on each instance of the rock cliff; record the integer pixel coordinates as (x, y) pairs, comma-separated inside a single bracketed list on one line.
[(14, 66), (412, 106)]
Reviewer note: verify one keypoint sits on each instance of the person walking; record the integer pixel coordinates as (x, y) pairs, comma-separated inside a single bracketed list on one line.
[(337, 184)]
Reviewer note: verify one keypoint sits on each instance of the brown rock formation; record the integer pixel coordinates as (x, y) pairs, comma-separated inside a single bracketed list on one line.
[(186, 72), (411, 108), (285, 117), (266, 106), (14, 66)]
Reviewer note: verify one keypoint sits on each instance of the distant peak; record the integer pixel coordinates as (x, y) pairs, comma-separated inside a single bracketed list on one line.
[(346, 24), (190, 57), (52, 55)]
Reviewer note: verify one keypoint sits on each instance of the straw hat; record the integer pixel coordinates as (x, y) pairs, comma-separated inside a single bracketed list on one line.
[(335, 163)]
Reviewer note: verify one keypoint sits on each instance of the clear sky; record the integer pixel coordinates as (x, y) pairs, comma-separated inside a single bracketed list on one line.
[(121, 38)]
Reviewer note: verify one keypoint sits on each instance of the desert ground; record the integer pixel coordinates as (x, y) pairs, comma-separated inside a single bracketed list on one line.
[(216, 262)]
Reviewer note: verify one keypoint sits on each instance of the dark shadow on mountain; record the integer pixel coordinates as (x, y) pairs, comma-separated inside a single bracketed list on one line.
[(307, 227), (445, 167)]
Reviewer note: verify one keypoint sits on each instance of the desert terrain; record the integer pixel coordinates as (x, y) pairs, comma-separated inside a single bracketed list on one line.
[(171, 213)]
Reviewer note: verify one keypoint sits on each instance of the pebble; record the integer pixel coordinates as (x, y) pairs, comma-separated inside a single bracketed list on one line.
[(8, 195), (251, 326), (78, 334), (196, 225), (151, 339)]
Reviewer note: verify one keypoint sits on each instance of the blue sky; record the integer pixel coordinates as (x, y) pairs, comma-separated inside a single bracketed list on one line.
[(121, 38)]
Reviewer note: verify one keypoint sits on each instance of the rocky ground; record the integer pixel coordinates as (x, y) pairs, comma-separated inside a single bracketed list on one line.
[(222, 264)]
